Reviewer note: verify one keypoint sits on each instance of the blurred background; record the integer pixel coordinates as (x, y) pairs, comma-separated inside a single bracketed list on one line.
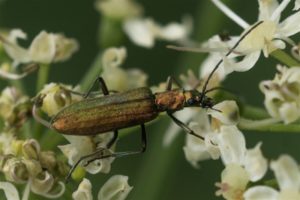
[(160, 173)]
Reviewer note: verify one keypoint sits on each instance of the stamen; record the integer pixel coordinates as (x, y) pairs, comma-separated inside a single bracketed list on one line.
[(195, 49), (229, 13)]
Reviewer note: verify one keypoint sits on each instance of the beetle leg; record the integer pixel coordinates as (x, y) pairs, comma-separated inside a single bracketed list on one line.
[(170, 81), (125, 153), (99, 152), (102, 85), (184, 126), (113, 140)]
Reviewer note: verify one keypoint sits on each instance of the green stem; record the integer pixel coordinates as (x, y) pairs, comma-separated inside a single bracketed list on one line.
[(92, 74), (268, 125), (252, 112), (42, 76), (284, 58), (41, 81)]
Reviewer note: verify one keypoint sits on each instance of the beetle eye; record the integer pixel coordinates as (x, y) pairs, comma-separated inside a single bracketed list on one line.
[(191, 101)]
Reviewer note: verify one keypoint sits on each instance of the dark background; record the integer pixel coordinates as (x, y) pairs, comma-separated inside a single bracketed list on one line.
[(161, 173)]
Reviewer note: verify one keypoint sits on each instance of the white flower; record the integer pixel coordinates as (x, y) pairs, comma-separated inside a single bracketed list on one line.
[(56, 96), (83, 145), (229, 114), (116, 188), (268, 36), (144, 32), (119, 9), (45, 48), (282, 94), (84, 191), (241, 165), (116, 78), (195, 149), (287, 174)]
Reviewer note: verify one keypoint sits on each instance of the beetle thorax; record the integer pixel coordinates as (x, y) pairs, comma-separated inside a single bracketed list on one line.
[(170, 100)]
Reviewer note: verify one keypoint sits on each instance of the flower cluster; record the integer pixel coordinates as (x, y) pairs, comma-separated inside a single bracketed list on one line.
[(23, 162), (142, 31)]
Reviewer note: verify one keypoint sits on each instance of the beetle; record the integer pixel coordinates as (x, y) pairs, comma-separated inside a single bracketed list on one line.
[(112, 112)]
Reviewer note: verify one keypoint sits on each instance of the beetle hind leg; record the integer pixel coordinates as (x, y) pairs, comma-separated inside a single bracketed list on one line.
[(100, 152), (100, 155)]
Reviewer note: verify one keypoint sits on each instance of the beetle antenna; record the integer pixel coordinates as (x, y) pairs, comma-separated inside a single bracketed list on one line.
[(222, 60), (219, 88)]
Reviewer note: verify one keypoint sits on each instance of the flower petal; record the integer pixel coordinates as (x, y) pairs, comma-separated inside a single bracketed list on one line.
[(84, 191), (230, 14), (236, 178), (175, 31), (260, 193), (287, 172), (208, 63), (116, 188), (113, 57), (297, 5), (266, 8), (119, 9), (244, 65), (232, 145), (139, 32), (228, 112), (255, 163), (10, 191), (276, 13), (289, 112), (42, 48), (290, 26), (16, 52)]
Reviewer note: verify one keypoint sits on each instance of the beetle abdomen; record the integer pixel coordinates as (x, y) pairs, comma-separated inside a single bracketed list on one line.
[(107, 113)]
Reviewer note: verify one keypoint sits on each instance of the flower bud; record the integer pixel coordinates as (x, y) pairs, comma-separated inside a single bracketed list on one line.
[(17, 147), (79, 173), (47, 160), (15, 170), (296, 51), (55, 97), (33, 167), (42, 183), (14, 107), (31, 149)]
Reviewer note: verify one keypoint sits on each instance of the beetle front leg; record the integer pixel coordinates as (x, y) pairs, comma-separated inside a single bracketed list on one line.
[(184, 126), (170, 81)]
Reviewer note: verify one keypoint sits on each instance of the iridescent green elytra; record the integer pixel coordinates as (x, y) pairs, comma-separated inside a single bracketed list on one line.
[(107, 113)]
